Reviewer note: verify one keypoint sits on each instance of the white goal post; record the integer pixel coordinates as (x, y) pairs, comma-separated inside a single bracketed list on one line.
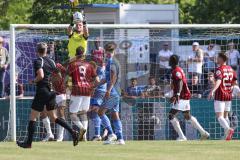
[(15, 27)]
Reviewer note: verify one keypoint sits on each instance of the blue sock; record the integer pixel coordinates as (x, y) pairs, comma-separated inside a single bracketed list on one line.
[(118, 128), (106, 123), (97, 123)]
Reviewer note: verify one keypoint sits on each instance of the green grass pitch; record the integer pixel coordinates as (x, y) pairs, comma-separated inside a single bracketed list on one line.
[(133, 150)]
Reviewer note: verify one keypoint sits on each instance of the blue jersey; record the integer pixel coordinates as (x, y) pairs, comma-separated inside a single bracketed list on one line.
[(113, 66), (134, 91), (101, 74)]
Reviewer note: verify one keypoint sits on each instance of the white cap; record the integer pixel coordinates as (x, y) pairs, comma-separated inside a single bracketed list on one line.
[(195, 44)]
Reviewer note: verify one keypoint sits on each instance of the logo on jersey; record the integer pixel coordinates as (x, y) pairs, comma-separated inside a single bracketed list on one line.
[(178, 74), (218, 73)]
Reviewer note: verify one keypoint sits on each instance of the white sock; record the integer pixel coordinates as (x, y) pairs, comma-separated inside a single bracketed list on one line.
[(84, 121), (47, 125), (60, 131), (228, 121), (196, 125), (76, 121), (85, 126), (223, 123), (177, 127)]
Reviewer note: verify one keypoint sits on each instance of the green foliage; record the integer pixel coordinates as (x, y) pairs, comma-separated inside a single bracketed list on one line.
[(190, 11), (14, 11)]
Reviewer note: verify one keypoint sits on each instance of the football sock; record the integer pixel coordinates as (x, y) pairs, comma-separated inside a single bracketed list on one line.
[(196, 125), (47, 125), (31, 129), (176, 126), (106, 123), (60, 131), (223, 123), (118, 128), (76, 121), (97, 123), (64, 124), (228, 121), (84, 120)]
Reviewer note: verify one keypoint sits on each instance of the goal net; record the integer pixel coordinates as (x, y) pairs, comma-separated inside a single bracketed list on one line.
[(141, 53)]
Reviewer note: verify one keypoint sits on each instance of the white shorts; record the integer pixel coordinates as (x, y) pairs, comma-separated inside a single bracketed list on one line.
[(221, 106), (182, 105), (79, 103), (61, 100)]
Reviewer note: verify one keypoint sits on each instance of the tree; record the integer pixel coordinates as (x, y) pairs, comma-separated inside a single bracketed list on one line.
[(14, 11)]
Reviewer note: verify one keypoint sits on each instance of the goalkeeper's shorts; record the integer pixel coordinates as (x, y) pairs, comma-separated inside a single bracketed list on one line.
[(44, 97)]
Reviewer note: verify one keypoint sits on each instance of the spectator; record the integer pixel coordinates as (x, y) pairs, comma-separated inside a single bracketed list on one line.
[(19, 89), (195, 88), (4, 61), (152, 90), (195, 61), (51, 50), (210, 84), (209, 62), (209, 58), (233, 55), (164, 55), (133, 91), (5, 43)]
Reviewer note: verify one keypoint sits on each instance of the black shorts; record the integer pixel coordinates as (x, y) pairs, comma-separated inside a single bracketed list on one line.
[(44, 97)]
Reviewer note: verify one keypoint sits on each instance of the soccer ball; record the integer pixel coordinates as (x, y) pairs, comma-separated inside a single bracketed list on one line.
[(77, 17)]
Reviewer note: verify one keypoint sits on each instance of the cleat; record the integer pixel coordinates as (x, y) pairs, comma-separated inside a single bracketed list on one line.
[(181, 139), (81, 134), (229, 134), (24, 145), (75, 138), (111, 139), (59, 139), (205, 136), (48, 138), (97, 138), (120, 142)]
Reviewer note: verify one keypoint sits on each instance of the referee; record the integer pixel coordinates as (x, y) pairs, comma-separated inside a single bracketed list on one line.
[(44, 67)]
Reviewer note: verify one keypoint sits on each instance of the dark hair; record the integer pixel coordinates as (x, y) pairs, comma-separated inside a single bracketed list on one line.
[(110, 46), (194, 75), (79, 51), (223, 56), (133, 79), (151, 77), (173, 60), (41, 47)]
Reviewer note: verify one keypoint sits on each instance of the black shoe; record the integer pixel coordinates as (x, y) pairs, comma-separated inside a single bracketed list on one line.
[(24, 145), (75, 138), (81, 134)]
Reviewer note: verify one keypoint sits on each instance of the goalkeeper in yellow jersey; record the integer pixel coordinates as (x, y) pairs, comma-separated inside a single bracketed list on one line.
[(78, 34)]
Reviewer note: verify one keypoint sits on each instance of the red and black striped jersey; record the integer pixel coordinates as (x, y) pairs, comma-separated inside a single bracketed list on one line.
[(58, 80), (227, 76), (82, 74), (178, 74)]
